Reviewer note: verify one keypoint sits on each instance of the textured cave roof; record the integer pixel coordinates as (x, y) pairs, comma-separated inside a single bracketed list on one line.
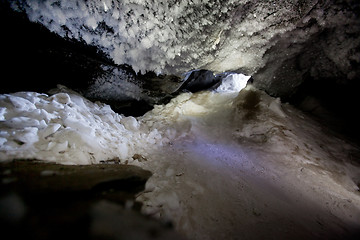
[(280, 43)]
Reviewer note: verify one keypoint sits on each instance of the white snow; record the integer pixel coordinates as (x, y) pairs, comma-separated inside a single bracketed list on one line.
[(233, 83), (245, 165), (225, 164), (68, 129)]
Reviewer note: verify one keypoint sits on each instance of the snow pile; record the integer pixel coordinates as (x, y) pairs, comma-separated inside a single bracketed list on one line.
[(69, 129)]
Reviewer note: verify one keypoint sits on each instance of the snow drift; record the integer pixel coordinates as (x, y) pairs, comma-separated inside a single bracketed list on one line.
[(66, 128)]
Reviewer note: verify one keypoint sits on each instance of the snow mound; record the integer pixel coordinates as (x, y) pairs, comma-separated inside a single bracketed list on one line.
[(67, 128)]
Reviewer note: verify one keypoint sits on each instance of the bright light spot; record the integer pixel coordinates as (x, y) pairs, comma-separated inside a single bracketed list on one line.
[(105, 7), (233, 82)]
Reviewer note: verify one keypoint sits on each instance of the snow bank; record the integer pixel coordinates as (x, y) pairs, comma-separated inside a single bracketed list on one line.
[(67, 128)]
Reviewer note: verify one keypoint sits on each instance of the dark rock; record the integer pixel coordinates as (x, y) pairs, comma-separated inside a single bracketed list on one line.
[(50, 201), (34, 59), (198, 80), (130, 93)]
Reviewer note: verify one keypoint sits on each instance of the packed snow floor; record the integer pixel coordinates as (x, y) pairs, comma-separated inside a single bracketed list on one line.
[(226, 165)]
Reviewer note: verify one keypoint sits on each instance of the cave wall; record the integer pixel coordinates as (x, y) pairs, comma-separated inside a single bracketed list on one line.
[(324, 45)]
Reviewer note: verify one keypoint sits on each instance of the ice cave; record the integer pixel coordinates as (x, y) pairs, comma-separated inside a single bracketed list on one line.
[(180, 119)]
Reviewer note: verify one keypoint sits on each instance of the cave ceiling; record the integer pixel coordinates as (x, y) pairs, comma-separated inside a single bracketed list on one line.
[(283, 45)]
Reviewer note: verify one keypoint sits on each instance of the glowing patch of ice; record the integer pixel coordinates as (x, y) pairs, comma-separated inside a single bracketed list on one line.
[(233, 82)]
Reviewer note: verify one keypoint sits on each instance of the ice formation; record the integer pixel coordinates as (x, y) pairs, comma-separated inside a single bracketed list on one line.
[(171, 36)]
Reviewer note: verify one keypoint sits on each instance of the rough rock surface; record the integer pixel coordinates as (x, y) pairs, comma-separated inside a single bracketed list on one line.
[(324, 44), (49, 201)]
